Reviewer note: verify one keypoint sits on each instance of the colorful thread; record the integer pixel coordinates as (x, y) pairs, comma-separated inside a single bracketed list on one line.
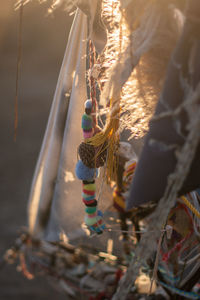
[(177, 247), (189, 295), (168, 277), (87, 120), (128, 175), (86, 167), (88, 193), (94, 221), (118, 200)]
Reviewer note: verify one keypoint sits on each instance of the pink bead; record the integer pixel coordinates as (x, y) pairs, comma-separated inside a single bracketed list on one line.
[(87, 134), (92, 215)]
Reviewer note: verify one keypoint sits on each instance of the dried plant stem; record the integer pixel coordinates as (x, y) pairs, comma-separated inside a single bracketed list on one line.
[(175, 181), (19, 55)]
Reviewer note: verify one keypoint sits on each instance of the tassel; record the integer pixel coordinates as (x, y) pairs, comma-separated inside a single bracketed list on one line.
[(108, 139)]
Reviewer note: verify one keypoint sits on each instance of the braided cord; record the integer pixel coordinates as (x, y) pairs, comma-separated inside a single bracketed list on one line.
[(190, 206)]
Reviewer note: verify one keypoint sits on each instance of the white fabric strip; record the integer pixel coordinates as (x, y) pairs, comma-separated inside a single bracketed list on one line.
[(55, 191)]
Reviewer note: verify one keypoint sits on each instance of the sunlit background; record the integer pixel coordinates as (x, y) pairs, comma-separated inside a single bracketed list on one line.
[(44, 41)]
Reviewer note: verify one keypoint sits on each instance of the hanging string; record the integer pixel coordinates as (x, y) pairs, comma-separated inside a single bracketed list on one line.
[(19, 55), (109, 229), (92, 82), (103, 180)]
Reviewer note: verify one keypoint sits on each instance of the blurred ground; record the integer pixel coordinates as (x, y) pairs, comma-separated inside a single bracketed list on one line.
[(44, 41)]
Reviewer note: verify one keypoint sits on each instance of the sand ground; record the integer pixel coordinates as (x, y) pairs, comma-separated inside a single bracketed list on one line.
[(44, 41)]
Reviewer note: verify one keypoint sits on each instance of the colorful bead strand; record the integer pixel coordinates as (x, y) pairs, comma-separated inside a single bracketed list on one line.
[(87, 121)]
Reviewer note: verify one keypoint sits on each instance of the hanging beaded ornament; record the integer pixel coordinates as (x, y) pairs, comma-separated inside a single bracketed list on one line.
[(91, 158)]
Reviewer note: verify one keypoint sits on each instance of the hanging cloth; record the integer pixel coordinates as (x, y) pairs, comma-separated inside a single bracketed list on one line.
[(96, 29), (158, 157), (55, 192)]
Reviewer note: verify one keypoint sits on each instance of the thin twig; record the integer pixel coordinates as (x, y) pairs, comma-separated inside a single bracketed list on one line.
[(19, 56)]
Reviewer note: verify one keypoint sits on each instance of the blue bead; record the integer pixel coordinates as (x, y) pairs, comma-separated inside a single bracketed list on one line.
[(99, 213), (88, 104), (83, 172)]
